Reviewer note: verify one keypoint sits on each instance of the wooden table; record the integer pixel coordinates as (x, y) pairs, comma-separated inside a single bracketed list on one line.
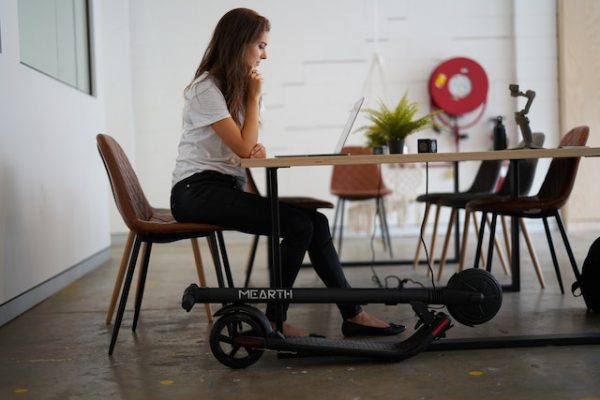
[(273, 164)]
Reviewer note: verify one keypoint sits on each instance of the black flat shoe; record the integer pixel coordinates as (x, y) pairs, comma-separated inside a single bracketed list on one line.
[(351, 329)]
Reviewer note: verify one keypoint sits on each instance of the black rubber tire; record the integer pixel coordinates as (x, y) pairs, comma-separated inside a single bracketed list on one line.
[(223, 333), (478, 281)]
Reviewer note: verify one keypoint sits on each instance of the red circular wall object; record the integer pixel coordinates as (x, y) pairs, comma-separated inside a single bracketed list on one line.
[(458, 85)]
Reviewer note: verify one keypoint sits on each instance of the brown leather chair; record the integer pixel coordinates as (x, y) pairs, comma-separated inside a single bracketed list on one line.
[(298, 201), (553, 194), (356, 183), (148, 225)]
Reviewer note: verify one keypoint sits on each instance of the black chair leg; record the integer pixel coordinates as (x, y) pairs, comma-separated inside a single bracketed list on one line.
[(251, 258), (214, 252), (141, 286), (563, 233), (125, 293), (553, 254), (490, 254), (479, 239), (226, 265)]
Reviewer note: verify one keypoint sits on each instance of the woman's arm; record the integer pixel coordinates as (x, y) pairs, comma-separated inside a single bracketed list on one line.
[(244, 141)]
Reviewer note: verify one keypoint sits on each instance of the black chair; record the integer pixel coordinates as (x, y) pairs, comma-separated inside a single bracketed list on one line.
[(483, 184), (553, 194)]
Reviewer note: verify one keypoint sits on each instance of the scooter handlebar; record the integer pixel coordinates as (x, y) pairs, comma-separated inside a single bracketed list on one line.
[(188, 300)]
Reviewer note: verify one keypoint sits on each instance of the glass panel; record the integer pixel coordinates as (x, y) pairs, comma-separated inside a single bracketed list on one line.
[(54, 39)]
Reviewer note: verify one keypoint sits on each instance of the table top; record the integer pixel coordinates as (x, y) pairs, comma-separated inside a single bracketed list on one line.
[(516, 154)]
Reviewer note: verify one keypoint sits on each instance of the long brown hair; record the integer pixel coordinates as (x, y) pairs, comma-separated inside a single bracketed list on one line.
[(224, 56)]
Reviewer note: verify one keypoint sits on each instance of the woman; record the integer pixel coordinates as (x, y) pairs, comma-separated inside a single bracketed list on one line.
[(220, 126)]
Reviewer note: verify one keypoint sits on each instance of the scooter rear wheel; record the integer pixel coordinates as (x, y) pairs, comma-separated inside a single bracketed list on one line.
[(222, 340), (478, 281)]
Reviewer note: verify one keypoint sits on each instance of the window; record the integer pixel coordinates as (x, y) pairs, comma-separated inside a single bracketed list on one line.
[(54, 39)]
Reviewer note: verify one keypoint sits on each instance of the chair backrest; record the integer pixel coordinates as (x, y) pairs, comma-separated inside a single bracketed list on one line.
[(526, 170), (126, 188), (346, 179), (560, 178), (486, 177)]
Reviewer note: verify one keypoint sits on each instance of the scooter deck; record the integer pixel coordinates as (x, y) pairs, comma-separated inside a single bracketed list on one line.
[(393, 351)]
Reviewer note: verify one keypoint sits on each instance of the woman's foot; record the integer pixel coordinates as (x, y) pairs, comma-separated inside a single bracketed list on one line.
[(364, 324), (366, 319)]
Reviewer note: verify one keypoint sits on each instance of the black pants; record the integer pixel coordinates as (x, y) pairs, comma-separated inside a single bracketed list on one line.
[(213, 198)]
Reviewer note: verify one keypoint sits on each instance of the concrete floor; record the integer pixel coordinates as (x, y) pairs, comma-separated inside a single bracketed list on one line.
[(58, 350)]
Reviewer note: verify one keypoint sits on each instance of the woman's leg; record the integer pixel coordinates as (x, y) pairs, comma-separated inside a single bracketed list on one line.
[(326, 261), (216, 200)]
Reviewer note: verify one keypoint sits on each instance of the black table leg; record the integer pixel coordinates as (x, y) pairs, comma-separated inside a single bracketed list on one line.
[(274, 251), (515, 262)]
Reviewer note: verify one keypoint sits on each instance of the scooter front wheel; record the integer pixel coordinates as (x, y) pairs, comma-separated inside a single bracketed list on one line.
[(477, 281), (225, 346)]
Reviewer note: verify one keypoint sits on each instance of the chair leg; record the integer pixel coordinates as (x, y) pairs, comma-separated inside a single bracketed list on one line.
[(491, 242), (500, 253), (120, 275), (553, 254), (141, 283), (505, 232), (214, 252), (124, 294), (563, 233), (342, 209), (480, 230), (433, 237), (225, 259), (532, 253), (476, 225), (201, 276), (335, 219), (384, 226), (421, 235), (463, 243), (451, 223), (251, 258)]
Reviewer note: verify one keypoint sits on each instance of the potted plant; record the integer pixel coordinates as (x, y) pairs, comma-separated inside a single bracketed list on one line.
[(391, 126)]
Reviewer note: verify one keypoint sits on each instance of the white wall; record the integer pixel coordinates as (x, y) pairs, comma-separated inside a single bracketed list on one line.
[(320, 61), (118, 98), (53, 188)]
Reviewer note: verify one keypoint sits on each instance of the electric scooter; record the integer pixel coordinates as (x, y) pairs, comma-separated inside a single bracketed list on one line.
[(242, 333)]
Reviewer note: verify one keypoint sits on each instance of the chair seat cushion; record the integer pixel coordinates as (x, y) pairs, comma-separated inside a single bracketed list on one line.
[(531, 206), (306, 202), (432, 197), (361, 194), (162, 222), (460, 200)]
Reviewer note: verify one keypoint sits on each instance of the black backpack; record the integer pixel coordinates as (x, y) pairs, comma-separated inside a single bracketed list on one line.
[(588, 282)]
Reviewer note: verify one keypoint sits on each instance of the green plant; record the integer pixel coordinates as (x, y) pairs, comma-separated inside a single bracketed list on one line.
[(394, 124)]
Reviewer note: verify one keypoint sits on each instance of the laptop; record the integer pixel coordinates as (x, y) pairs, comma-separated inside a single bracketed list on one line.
[(343, 137)]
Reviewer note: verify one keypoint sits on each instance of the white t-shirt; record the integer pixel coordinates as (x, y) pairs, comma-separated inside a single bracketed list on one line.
[(200, 148)]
